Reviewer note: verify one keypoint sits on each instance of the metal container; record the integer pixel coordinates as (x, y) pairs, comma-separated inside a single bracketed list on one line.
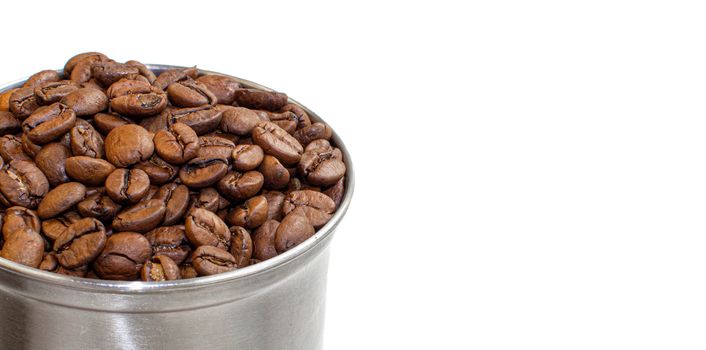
[(277, 304)]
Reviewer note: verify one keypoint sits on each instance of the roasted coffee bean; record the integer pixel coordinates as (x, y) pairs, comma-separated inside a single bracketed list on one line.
[(22, 184), (105, 122), (316, 206), (275, 174), (18, 218), (53, 92), (99, 206), (190, 93), (247, 157), (241, 186), (203, 119), (5, 100), (251, 214), (177, 145), (208, 198), (86, 101), (176, 199), (88, 171), (60, 199), (107, 73), (156, 123), (82, 70), (134, 98), (140, 217), (169, 241), (321, 164), (23, 102), (208, 260), (203, 172), (275, 200), (313, 132), (11, 149), (123, 256), (215, 147), (258, 99), (82, 241), (49, 123), (24, 246), (293, 230), (49, 262), (301, 114), (8, 123), (221, 86), (54, 228), (277, 142), (86, 141), (93, 84), (188, 271), (159, 171), (238, 120), (264, 240), (127, 145), (91, 56), (127, 186), (39, 78), (286, 120), (30, 147), (144, 71), (242, 246), (160, 268), (336, 192), (171, 76), (203, 227)]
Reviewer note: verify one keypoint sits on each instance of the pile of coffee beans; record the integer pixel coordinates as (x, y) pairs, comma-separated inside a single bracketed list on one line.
[(111, 171)]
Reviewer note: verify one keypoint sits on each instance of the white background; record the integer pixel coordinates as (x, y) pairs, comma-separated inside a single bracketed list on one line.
[(530, 175)]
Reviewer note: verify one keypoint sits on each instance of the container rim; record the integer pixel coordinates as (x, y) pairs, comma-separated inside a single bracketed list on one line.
[(139, 287)]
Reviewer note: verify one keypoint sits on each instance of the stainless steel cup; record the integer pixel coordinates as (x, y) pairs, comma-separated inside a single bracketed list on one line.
[(274, 305)]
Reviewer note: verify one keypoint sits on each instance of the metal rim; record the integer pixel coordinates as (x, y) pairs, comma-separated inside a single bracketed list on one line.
[(107, 286)]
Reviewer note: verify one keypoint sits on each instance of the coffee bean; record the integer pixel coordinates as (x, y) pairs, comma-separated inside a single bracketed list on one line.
[(8, 123), (264, 240), (30, 147), (241, 186), (23, 184), (321, 164), (221, 86), (316, 206), (39, 78), (301, 114), (126, 186), (275, 200), (277, 142), (140, 217), (88, 171), (60, 199), (91, 56), (336, 192), (258, 99), (293, 230), (247, 157), (82, 241), (238, 120), (49, 123), (177, 145), (171, 76), (251, 214), (286, 120), (86, 141), (275, 174), (169, 241), (188, 271), (211, 147), (208, 260), (99, 206), (156, 123), (203, 119), (19, 218), (5, 100), (203, 227), (54, 228), (49, 262), (159, 171), (107, 73), (11, 149), (203, 172), (123, 256), (313, 132), (127, 145), (176, 199), (82, 71), (105, 122), (23, 102), (144, 71), (53, 92), (24, 246), (86, 101), (242, 246), (208, 198), (160, 268), (134, 98), (190, 93)]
